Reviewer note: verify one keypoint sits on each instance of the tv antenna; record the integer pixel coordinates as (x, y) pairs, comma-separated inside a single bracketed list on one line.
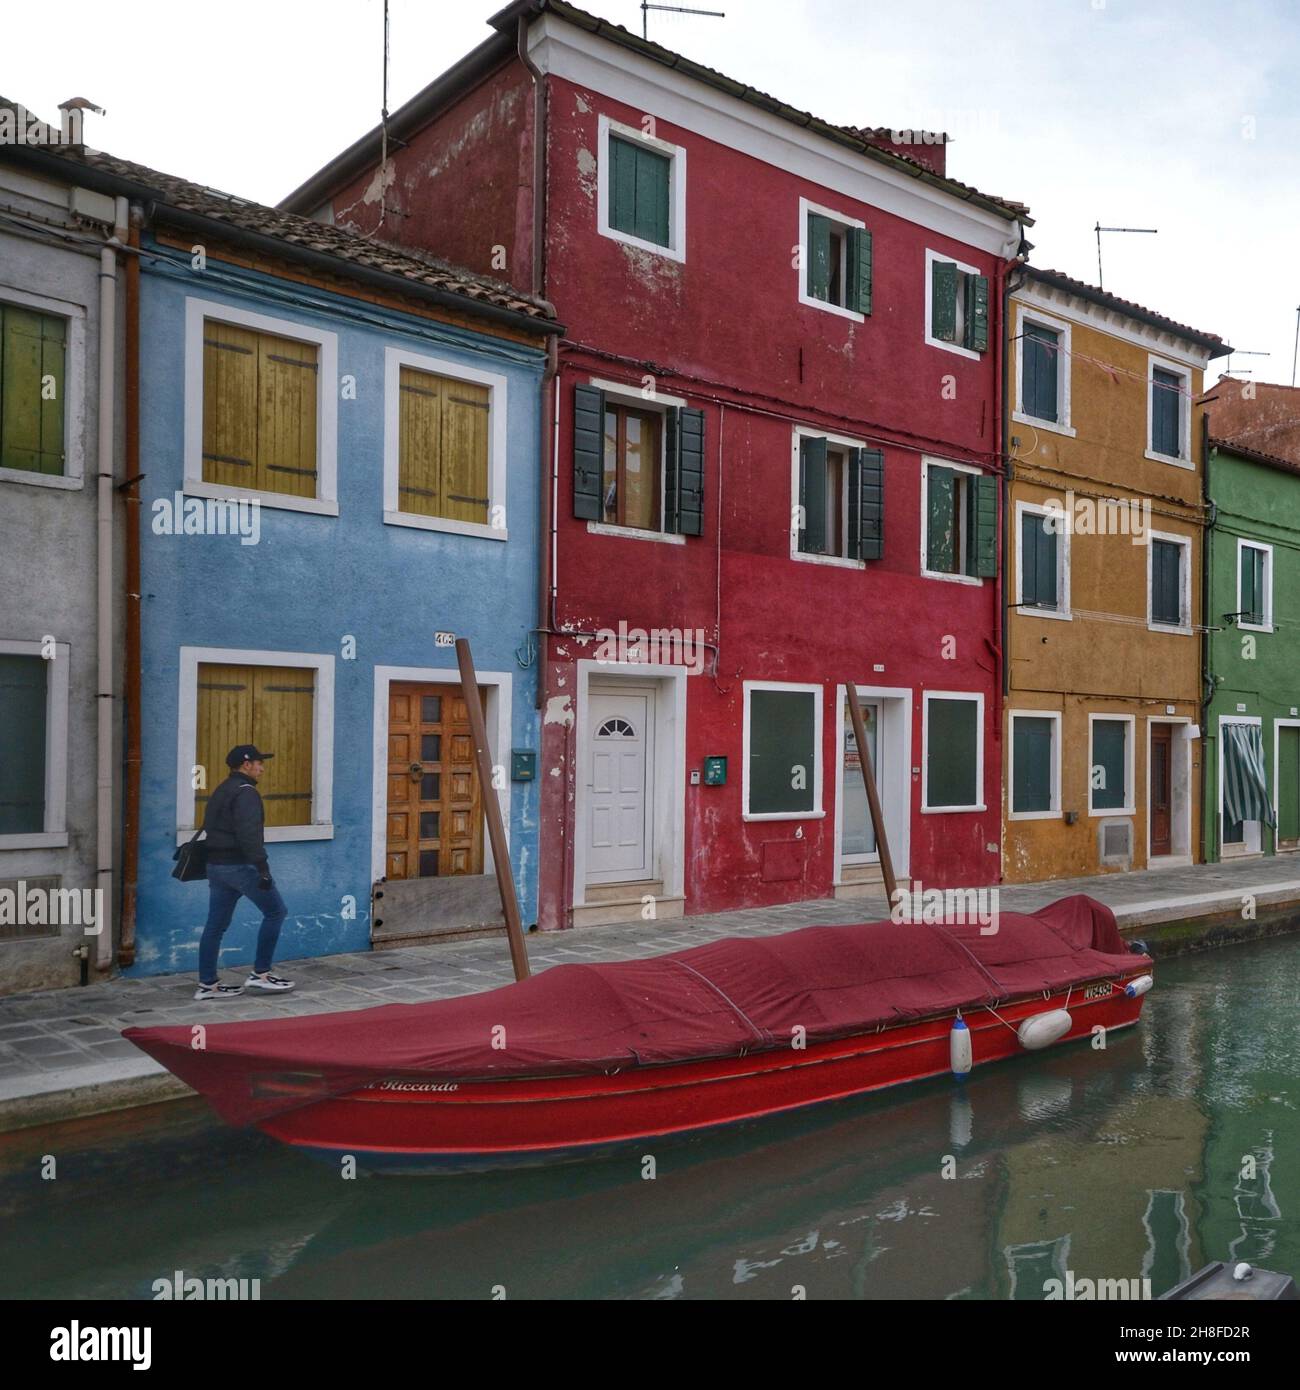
[(1148, 231), (673, 9), (1241, 352)]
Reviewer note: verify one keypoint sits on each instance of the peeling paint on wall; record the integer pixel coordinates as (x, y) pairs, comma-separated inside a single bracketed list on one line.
[(559, 710)]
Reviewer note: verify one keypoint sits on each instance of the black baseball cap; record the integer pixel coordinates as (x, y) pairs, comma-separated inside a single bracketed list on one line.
[(245, 753)]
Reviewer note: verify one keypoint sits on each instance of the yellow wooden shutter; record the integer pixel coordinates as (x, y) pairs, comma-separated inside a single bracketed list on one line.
[(287, 373), (465, 451), (283, 701), (229, 404), (419, 467), (225, 716)]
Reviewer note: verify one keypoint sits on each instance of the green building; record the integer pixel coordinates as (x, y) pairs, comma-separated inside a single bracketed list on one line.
[(1252, 725)]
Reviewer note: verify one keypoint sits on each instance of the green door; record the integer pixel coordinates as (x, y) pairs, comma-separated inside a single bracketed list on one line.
[(1288, 786)]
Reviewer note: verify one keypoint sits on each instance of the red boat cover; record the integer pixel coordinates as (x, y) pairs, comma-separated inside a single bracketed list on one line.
[(720, 1000)]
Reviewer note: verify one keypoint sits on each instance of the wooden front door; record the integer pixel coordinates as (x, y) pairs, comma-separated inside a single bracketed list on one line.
[(435, 808), (1162, 748)]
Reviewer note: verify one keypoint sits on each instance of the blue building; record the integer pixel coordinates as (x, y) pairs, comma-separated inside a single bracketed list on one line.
[(340, 449)]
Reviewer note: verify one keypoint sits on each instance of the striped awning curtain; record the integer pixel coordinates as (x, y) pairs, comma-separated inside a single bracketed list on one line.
[(1245, 788)]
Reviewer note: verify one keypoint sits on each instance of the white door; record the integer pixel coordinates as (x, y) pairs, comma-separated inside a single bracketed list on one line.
[(857, 836), (620, 785)]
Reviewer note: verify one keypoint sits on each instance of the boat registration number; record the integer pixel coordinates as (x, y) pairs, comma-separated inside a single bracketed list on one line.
[(1098, 991)]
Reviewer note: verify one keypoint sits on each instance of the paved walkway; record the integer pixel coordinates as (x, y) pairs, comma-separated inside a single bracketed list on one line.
[(61, 1054)]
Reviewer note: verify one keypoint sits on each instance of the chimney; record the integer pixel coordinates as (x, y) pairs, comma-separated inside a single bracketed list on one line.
[(928, 147), (74, 110)]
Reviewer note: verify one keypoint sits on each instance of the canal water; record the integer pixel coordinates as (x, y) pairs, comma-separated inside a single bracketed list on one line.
[(1176, 1145)]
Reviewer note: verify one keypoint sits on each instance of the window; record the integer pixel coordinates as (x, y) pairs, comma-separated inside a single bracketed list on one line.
[(641, 190), (635, 467), (959, 507), (1042, 556), (782, 755), (1110, 780), (835, 261), (260, 409), (33, 369), (1034, 775), (444, 446), (1254, 586), (1169, 407), (840, 499), (1040, 354), (1169, 583), (33, 744), (957, 306), (953, 751), (283, 702)]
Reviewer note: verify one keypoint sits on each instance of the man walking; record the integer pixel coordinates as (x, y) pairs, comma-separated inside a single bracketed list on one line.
[(238, 868)]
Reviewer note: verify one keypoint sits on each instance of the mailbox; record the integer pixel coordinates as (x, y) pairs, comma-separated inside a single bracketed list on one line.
[(715, 772), (523, 765)]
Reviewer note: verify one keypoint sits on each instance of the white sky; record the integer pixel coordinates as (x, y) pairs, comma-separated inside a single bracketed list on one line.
[(1178, 114)]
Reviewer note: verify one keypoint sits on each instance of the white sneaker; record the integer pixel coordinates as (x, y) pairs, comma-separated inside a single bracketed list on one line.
[(273, 984), (218, 991)]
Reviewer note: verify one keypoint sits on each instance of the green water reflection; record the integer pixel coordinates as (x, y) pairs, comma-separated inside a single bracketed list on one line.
[(1131, 1163)]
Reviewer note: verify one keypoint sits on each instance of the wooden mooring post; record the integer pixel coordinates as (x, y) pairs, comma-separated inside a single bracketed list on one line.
[(873, 797)]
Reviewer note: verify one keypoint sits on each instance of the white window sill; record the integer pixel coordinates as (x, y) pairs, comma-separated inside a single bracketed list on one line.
[(952, 578), (1062, 427), (42, 839), (839, 561), (1034, 815), (1169, 458), (845, 313), (950, 810), (1254, 627), (446, 525), (784, 815), (276, 834), (196, 487), (652, 246), (21, 475), (634, 533), (953, 347), (1113, 812), (1027, 610), (1173, 631)]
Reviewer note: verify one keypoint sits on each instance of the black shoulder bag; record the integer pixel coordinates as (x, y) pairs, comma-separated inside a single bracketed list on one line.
[(191, 859)]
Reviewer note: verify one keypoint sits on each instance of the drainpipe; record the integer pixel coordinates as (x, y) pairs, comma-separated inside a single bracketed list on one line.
[(131, 678), (104, 741), (1207, 673), (540, 140)]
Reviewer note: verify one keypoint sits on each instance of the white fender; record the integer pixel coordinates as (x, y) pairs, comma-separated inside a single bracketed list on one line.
[(959, 1049), (1135, 989), (1044, 1029)]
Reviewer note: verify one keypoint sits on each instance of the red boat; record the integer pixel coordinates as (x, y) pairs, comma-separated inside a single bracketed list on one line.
[(583, 1059)]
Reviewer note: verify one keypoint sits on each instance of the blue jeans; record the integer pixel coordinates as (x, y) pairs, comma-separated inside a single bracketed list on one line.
[(227, 883)]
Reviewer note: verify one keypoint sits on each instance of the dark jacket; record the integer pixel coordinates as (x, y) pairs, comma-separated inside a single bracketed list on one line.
[(233, 822)]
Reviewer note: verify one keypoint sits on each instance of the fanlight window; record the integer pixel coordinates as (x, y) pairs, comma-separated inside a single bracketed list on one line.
[(616, 728)]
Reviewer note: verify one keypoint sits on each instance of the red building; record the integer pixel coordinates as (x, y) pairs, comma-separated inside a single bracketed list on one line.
[(776, 426)]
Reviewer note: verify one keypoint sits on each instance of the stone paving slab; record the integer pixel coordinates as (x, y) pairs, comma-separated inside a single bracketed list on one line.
[(61, 1053)]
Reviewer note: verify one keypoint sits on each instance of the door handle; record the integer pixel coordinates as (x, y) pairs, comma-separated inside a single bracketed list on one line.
[(417, 771)]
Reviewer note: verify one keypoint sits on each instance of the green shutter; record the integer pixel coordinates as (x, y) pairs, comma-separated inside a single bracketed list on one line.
[(1166, 589), (818, 252), (1252, 586), (943, 300), (1288, 782), (986, 526), (866, 504), (812, 495), (33, 347), (22, 743), (1031, 788), (1166, 395), (684, 483), (588, 451), (1040, 363), (638, 191), (951, 761), (782, 751), (940, 540), (976, 330), (859, 256), (1109, 764), (1037, 562)]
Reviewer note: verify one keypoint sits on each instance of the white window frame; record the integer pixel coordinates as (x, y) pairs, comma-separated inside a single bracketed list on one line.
[(1252, 844), (325, 503), (1064, 357), (1278, 725), (627, 395), (1129, 808), (676, 251), (798, 435), (926, 572), (819, 810), (1054, 809), (395, 358), (1184, 627), (322, 795), (1183, 460), (977, 698), (931, 341), (54, 832), (74, 391), (1267, 624), (844, 222), (1063, 532)]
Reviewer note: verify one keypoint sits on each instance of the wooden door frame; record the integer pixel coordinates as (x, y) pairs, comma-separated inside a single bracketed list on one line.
[(1277, 770), (498, 691), (1180, 770)]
